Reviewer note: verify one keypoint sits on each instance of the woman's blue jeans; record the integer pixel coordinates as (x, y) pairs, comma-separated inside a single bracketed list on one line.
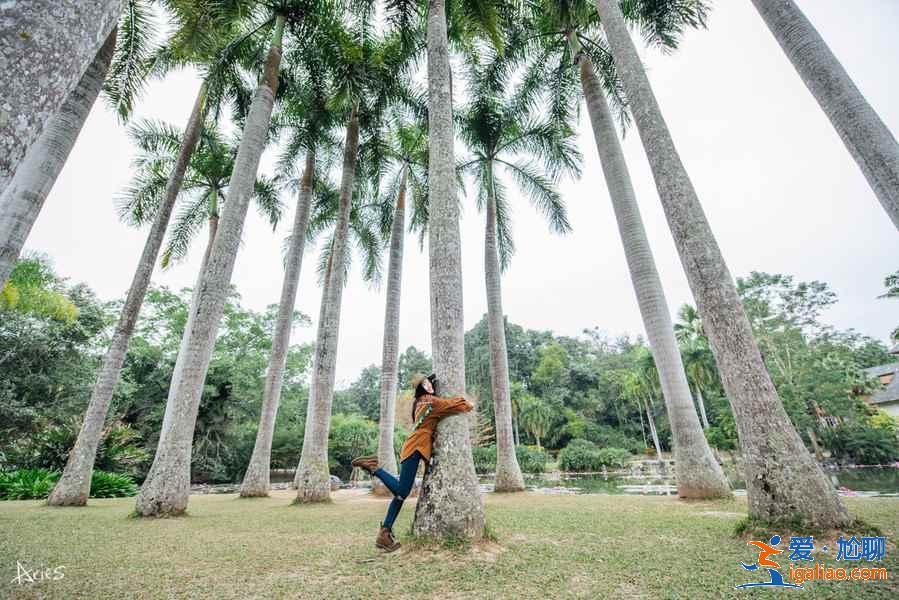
[(400, 487)]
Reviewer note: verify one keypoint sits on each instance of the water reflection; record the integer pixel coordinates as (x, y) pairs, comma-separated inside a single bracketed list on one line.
[(860, 481)]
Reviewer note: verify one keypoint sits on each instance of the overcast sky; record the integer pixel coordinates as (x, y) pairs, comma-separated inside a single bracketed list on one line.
[(781, 192)]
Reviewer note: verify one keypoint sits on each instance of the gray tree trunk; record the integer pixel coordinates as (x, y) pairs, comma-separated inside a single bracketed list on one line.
[(647, 406), (508, 472), (22, 200), (73, 487), (166, 489), (46, 46), (701, 403), (698, 473), (213, 225), (390, 353), (450, 502), (321, 317), (783, 479), (863, 132), (256, 479), (313, 478)]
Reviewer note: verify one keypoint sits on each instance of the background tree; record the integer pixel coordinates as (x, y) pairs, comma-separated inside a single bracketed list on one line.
[(408, 157), (503, 130), (306, 113), (768, 439), (165, 491)]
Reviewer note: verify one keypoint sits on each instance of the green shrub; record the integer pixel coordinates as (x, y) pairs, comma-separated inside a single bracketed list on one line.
[(484, 458), (36, 484), (579, 455), (27, 484), (862, 445), (584, 455), (112, 485), (612, 458), (531, 459), (350, 436)]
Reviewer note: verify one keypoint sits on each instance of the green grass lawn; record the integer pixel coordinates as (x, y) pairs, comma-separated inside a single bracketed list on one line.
[(546, 546)]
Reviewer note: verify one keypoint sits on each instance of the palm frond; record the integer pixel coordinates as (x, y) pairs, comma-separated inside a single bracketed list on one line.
[(133, 57)]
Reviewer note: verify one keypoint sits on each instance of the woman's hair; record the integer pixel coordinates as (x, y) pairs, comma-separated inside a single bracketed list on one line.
[(421, 391)]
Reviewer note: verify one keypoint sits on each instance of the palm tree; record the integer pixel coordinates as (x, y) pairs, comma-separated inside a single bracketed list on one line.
[(36, 85), (408, 156), (449, 502), (536, 417), (567, 32), (165, 490), (689, 325), (309, 120), (368, 72), (502, 131), (22, 200), (132, 64), (205, 188), (864, 133), (700, 369), (782, 477)]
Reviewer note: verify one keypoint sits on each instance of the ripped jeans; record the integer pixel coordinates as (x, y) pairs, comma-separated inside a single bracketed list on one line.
[(400, 487)]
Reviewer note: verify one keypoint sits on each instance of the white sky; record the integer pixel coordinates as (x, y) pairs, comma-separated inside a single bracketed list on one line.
[(780, 190)]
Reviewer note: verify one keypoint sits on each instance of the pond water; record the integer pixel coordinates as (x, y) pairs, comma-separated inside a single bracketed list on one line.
[(859, 481)]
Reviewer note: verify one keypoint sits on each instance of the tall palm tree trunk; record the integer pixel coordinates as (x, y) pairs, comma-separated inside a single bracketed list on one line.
[(256, 479), (73, 487), (321, 317), (165, 491), (450, 501), (865, 135), (313, 477), (390, 352), (701, 403), (698, 473), (508, 472), (783, 479), (47, 47), (213, 224), (22, 200), (647, 406)]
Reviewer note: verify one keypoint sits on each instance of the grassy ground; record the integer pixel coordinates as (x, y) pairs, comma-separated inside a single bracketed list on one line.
[(546, 546)]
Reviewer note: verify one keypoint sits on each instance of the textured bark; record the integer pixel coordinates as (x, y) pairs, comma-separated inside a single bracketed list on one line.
[(321, 317), (450, 502), (74, 485), (22, 200), (783, 480), (165, 491), (390, 352), (46, 47), (256, 479), (698, 473), (863, 132), (313, 478), (213, 226), (508, 474)]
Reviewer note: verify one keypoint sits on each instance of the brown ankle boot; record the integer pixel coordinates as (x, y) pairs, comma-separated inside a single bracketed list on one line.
[(385, 540), (368, 463)]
